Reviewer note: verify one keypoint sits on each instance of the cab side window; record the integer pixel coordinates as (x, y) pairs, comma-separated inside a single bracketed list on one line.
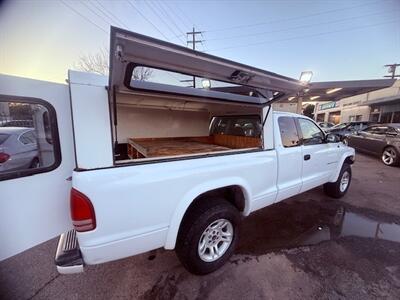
[(312, 135), (381, 130), (288, 130), (369, 129)]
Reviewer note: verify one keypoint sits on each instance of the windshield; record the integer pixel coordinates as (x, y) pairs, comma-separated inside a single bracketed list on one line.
[(3, 137), (340, 126)]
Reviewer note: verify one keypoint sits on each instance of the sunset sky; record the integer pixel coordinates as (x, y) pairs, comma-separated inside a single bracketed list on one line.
[(338, 40)]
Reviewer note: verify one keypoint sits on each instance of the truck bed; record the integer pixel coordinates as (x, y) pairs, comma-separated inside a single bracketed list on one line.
[(176, 146)]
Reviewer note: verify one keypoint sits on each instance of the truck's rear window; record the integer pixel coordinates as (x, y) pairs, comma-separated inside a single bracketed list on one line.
[(235, 125)]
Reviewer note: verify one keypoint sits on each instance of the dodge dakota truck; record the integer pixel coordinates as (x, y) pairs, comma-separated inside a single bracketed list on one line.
[(124, 164)]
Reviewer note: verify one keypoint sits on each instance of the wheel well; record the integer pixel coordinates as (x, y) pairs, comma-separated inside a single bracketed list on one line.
[(388, 146), (349, 160), (233, 194)]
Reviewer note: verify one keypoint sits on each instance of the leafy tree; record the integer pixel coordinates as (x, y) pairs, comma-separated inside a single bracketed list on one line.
[(309, 111)]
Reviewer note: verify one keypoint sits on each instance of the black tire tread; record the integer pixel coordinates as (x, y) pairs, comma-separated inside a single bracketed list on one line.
[(192, 223), (332, 189)]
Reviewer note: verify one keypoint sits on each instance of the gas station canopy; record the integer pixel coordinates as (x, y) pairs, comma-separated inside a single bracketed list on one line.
[(336, 90)]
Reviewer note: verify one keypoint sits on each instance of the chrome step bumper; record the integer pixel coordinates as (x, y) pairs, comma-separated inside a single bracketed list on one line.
[(68, 256)]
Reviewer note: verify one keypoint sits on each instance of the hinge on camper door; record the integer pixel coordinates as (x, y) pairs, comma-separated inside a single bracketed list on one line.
[(119, 54)]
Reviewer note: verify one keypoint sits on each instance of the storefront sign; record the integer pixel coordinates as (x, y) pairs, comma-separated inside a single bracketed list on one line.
[(327, 105)]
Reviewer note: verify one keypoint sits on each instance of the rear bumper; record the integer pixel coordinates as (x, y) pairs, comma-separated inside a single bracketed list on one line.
[(68, 256)]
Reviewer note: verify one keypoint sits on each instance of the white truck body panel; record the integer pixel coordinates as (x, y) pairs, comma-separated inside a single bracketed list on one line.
[(34, 209), (91, 120), (121, 191)]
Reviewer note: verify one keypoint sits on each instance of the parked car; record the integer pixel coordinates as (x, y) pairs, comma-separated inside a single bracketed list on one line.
[(344, 129), (18, 148), (325, 125), (382, 140), (193, 161)]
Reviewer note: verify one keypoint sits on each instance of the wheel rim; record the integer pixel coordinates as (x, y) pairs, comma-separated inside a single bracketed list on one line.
[(388, 156), (344, 182), (215, 240)]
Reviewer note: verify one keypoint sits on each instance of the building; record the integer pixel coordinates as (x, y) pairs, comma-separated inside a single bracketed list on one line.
[(381, 106), (285, 106)]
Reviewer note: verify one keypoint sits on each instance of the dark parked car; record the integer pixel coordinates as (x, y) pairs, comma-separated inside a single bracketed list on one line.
[(382, 140), (344, 129), (325, 125)]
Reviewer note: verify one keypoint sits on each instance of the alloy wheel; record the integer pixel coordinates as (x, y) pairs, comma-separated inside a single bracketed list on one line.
[(344, 181), (215, 240), (389, 156)]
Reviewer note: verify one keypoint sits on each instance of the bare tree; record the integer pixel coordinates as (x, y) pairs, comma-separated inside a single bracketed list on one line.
[(98, 63)]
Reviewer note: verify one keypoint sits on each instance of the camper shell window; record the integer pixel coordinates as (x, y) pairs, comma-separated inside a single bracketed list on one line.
[(148, 78)]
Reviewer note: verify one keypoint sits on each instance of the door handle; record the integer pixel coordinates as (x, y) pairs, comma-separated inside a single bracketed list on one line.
[(307, 157)]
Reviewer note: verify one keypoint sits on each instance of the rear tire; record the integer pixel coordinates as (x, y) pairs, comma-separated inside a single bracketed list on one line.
[(390, 157), (339, 188), (210, 224)]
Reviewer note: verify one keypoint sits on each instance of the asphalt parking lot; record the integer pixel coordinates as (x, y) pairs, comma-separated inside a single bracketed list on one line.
[(306, 247)]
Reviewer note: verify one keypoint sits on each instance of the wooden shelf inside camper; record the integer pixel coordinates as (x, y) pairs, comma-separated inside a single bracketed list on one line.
[(158, 147)]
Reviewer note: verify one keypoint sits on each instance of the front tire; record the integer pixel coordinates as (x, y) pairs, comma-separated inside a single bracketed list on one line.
[(390, 157), (339, 188), (208, 235)]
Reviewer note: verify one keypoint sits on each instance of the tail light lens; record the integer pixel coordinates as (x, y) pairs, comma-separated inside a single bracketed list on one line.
[(82, 212), (4, 157)]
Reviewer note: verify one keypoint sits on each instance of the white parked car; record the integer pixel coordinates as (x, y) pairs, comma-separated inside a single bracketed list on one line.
[(18, 149), (131, 165)]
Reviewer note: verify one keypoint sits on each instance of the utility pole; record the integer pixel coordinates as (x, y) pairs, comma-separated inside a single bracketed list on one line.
[(392, 70), (193, 41)]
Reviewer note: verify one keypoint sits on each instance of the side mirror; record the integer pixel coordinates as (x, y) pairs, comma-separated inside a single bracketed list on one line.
[(332, 138)]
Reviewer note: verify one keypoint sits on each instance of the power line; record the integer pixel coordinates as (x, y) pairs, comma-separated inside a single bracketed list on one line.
[(177, 15), (144, 17), (112, 16), (295, 27), (162, 19), (304, 36), (84, 3), (290, 19), (159, 4), (109, 19), (190, 23), (392, 70), (84, 17)]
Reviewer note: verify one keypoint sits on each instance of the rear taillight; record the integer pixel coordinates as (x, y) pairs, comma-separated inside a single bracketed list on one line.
[(82, 212), (4, 157)]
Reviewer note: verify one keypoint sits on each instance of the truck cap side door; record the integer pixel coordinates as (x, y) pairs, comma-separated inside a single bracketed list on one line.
[(34, 191)]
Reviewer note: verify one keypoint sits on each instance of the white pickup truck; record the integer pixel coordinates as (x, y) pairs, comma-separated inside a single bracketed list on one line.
[(144, 162)]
